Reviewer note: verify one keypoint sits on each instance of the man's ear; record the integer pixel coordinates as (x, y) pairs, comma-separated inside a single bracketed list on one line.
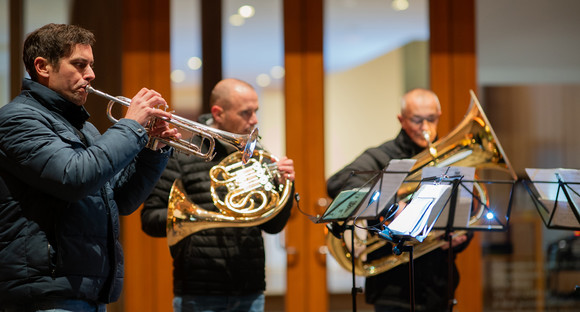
[(400, 117), (41, 66), (217, 113)]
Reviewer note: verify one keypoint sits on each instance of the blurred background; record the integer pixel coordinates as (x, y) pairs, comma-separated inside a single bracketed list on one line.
[(523, 62)]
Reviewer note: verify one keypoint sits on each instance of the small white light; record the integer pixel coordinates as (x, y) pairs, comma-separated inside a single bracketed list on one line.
[(277, 72), (263, 80), (194, 63), (237, 20), (246, 11), (400, 5), (177, 76), (489, 215), (376, 196)]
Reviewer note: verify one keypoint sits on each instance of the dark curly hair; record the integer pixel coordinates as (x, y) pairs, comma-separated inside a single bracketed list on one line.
[(53, 42)]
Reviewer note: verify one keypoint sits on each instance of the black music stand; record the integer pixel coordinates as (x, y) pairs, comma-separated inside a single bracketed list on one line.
[(556, 201), (354, 204), (399, 241), (556, 198), (490, 217)]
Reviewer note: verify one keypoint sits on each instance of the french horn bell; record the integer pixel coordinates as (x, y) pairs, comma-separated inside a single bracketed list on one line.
[(245, 194)]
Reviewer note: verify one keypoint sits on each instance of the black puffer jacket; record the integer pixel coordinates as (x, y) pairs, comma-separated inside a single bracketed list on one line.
[(216, 261), (61, 196), (431, 270)]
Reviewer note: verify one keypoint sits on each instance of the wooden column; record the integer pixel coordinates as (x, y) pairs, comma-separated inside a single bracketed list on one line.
[(304, 89), (16, 42), (453, 74), (146, 63), (132, 52), (107, 52), (211, 38)]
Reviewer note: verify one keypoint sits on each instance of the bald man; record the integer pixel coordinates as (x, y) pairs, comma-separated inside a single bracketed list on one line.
[(389, 291), (219, 269)]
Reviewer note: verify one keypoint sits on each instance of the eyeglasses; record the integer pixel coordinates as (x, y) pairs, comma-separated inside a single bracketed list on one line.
[(419, 120)]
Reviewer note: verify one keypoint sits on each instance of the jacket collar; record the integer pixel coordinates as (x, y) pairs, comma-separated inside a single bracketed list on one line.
[(407, 145), (76, 115)]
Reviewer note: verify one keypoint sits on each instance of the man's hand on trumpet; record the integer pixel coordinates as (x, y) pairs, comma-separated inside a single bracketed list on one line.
[(161, 129), (144, 106)]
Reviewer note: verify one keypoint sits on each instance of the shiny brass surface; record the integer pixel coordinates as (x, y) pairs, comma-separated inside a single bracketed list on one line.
[(189, 130), (244, 194)]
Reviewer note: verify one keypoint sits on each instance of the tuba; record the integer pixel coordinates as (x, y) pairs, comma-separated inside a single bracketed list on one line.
[(245, 194), (471, 144)]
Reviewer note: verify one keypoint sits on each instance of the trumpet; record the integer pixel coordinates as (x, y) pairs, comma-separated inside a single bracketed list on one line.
[(244, 143)]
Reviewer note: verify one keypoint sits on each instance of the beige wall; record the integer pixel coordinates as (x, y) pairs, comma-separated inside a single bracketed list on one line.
[(361, 107)]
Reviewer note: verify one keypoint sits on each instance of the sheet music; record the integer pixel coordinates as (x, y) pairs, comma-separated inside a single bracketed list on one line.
[(564, 215), (413, 220), (571, 175), (387, 188), (547, 191), (464, 197), (344, 204)]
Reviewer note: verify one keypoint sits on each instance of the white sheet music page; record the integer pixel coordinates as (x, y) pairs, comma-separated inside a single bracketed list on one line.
[(413, 220), (547, 191), (571, 176), (564, 215), (464, 197)]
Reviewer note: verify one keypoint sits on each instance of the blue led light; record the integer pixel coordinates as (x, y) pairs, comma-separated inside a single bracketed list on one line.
[(489, 215)]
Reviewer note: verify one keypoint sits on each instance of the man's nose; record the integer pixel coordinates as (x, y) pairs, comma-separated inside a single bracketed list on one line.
[(89, 74), (254, 119)]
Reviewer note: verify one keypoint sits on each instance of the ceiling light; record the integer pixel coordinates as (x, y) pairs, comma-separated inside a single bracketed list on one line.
[(400, 5), (194, 63), (177, 76), (277, 72), (263, 80), (246, 11), (237, 20)]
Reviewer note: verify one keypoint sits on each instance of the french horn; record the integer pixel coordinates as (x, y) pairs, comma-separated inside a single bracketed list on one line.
[(472, 143), (245, 194)]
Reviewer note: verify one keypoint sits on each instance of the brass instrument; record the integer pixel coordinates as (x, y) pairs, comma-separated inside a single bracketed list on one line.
[(471, 144), (244, 194), (245, 143)]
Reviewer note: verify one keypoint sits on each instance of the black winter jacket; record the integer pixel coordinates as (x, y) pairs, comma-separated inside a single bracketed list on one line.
[(62, 188), (431, 270), (219, 261)]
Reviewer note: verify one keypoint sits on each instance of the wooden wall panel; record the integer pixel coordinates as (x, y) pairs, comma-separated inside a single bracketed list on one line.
[(146, 63), (452, 75), (304, 85), (132, 52)]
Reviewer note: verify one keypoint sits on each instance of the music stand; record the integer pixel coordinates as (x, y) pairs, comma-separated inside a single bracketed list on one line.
[(492, 215), (354, 204), (555, 194), (428, 210)]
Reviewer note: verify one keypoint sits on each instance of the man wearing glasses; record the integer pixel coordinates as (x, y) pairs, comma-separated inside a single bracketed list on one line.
[(389, 291)]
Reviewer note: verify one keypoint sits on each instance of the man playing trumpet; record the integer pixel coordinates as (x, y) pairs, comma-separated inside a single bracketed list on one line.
[(63, 185)]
